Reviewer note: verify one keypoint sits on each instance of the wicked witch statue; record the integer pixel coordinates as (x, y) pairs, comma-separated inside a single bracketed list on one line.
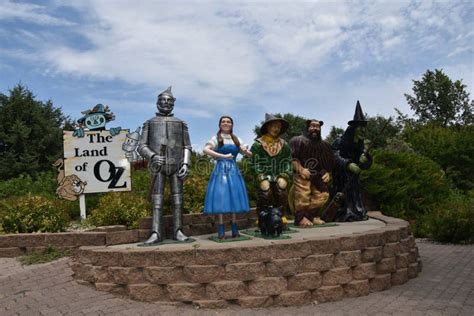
[(351, 157)]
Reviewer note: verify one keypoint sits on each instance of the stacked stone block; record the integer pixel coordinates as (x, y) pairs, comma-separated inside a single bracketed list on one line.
[(281, 273), (196, 224), (14, 245)]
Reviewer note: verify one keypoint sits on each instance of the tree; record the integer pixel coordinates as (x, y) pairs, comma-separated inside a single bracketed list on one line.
[(297, 125), (334, 133), (378, 131), (31, 132), (451, 147), (439, 100)]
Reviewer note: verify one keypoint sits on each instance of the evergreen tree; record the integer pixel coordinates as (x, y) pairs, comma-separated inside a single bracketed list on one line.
[(31, 133), (334, 133)]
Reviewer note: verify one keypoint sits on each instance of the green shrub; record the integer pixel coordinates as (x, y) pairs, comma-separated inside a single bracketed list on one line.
[(451, 147), (249, 181), (120, 208), (141, 182), (195, 185), (43, 184), (406, 185), (28, 214), (453, 220)]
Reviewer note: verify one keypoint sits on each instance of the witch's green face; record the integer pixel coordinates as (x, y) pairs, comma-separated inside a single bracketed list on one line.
[(360, 133)]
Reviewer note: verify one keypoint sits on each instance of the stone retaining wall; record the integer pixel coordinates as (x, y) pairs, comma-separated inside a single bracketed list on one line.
[(197, 224), (281, 273), (13, 245)]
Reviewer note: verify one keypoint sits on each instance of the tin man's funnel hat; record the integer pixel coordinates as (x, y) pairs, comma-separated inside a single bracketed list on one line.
[(167, 92)]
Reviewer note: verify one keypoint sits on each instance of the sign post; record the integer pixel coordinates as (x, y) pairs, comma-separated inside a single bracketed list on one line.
[(82, 205)]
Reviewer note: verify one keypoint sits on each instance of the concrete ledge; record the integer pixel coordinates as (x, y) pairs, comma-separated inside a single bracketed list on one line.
[(316, 264), (197, 224), (14, 245)]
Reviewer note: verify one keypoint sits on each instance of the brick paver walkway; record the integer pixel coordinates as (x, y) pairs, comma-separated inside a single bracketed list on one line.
[(445, 287)]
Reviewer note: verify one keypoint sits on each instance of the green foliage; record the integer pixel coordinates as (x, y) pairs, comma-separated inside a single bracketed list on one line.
[(379, 130), (453, 220), (439, 100), (405, 185), (195, 185), (334, 133), (119, 208), (50, 254), (29, 214), (398, 145), (451, 147), (249, 180), (297, 125), (43, 184), (31, 133)]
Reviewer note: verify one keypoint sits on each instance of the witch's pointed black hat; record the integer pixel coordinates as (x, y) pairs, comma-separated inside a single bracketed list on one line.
[(359, 118)]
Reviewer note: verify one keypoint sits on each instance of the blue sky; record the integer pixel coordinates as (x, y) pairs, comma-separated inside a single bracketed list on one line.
[(241, 58)]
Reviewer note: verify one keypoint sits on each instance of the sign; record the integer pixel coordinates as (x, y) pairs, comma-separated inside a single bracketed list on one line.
[(98, 159)]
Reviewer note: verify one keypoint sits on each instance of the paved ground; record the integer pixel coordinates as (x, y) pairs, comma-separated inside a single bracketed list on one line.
[(445, 287)]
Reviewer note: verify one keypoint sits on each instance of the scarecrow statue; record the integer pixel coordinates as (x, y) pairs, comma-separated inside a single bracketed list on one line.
[(166, 145), (313, 161), (271, 166), (351, 157)]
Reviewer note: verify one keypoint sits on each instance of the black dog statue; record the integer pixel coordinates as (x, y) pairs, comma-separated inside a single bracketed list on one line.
[(269, 222)]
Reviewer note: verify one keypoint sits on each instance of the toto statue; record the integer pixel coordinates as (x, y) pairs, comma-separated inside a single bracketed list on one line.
[(166, 145), (351, 157)]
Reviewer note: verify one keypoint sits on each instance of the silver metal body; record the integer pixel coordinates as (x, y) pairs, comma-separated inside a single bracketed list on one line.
[(166, 137)]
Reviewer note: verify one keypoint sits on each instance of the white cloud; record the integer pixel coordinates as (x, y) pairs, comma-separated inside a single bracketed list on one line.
[(27, 12), (391, 42), (223, 55)]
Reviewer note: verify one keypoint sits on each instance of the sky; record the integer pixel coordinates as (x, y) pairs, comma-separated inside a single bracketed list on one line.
[(239, 58)]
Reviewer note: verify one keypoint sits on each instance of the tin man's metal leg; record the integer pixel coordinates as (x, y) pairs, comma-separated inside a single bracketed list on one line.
[(177, 201), (157, 204)]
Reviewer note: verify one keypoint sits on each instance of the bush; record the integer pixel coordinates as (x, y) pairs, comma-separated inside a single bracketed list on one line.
[(28, 214), (451, 147), (43, 184), (453, 220), (119, 208), (406, 185), (195, 185)]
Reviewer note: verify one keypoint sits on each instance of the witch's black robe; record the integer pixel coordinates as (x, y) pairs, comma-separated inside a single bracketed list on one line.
[(347, 182)]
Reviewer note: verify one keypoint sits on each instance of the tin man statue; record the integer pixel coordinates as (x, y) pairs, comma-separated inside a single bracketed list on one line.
[(166, 145)]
